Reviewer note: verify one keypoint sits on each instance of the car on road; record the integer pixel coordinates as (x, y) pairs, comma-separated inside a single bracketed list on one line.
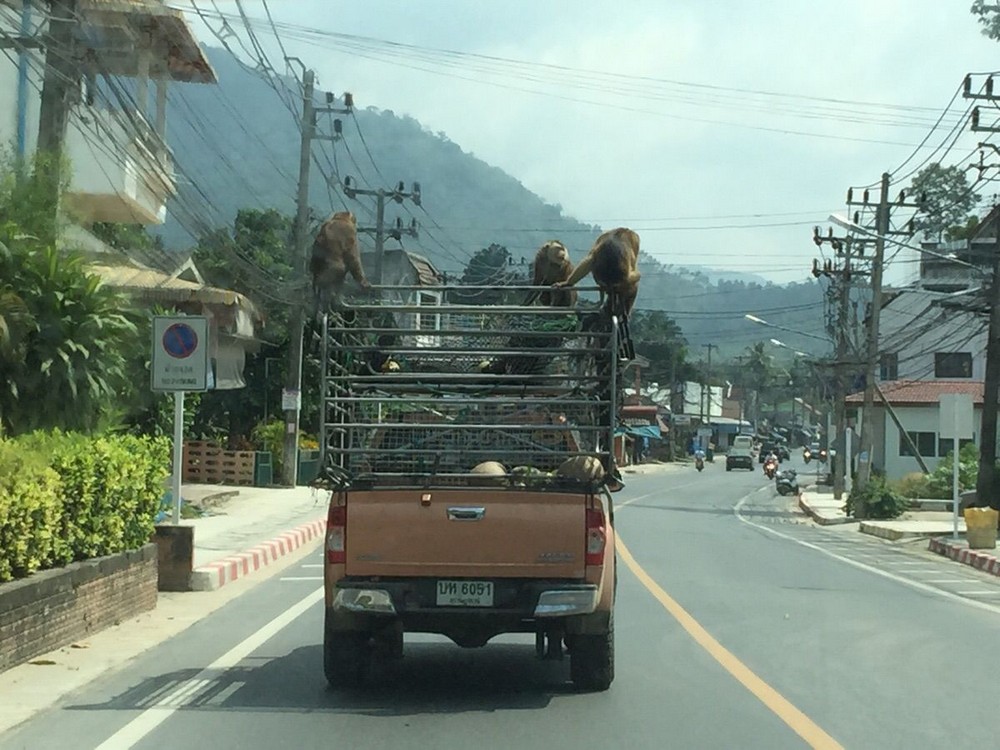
[(740, 454)]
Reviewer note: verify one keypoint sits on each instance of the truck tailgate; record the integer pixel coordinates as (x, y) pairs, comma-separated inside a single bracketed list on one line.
[(466, 534)]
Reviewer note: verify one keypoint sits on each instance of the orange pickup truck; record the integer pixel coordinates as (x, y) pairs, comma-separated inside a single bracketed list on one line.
[(469, 451)]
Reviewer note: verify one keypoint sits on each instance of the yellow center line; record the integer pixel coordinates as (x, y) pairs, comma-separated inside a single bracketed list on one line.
[(797, 721)]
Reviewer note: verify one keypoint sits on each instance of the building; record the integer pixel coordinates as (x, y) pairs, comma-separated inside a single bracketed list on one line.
[(915, 404), (124, 56)]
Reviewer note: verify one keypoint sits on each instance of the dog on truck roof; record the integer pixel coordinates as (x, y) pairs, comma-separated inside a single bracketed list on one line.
[(552, 265)]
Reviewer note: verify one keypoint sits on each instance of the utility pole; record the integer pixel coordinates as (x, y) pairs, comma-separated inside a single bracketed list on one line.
[(871, 358), (379, 231), (988, 482), (987, 486), (708, 393), (58, 88), (841, 276), (292, 395)]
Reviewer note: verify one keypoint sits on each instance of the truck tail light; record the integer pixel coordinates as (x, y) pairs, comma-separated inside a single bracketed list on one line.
[(596, 537), (336, 534)]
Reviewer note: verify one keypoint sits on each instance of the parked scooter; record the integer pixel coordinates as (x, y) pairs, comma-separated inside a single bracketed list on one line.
[(770, 466), (787, 482)]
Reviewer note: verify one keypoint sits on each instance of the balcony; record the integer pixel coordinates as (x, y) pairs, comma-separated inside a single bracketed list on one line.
[(121, 169)]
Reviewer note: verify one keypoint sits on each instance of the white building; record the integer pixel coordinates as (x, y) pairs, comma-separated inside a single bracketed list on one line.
[(126, 54)]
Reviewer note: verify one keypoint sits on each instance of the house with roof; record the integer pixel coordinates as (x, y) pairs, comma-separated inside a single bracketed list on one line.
[(930, 344), (125, 56)]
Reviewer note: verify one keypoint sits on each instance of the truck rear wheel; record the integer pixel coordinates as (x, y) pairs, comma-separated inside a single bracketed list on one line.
[(347, 658), (592, 660)]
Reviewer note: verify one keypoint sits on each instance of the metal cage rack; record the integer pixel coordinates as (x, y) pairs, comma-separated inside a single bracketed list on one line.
[(419, 395)]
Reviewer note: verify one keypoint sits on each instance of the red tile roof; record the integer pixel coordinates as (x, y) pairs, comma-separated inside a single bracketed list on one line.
[(923, 391)]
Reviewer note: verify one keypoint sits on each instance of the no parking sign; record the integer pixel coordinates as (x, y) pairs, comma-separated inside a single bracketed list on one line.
[(180, 353)]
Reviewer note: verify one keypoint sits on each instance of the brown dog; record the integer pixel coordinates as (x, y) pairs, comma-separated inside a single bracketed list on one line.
[(612, 261), (552, 265), (335, 253)]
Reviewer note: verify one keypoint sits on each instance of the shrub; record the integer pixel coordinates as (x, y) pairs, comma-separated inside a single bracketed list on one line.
[(940, 481), (913, 486), (880, 500), (29, 514), (65, 497)]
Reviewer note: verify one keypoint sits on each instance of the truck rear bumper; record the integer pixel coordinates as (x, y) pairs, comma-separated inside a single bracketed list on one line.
[(520, 605)]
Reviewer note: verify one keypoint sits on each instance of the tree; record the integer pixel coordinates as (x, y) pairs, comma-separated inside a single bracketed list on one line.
[(989, 17), (73, 366), (947, 200), (489, 267), (658, 338), (253, 259)]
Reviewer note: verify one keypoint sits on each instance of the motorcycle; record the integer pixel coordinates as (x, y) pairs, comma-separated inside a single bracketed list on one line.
[(787, 482), (807, 455), (770, 467), (699, 461)]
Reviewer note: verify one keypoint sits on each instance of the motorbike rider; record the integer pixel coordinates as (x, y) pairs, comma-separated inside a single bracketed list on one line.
[(699, 459), (770, 464)]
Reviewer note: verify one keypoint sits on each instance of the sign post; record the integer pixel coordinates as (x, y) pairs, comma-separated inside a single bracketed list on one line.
[(179, 363), (956, 423)]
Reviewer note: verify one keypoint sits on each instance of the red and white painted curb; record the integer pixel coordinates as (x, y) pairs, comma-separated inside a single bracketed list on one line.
[(979, 560), (220, 572)]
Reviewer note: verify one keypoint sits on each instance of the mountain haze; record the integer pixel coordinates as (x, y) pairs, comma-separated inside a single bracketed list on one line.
[(236, 145)]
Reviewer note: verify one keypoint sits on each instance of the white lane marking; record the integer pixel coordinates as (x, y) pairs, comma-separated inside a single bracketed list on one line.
[(862, 566), (152, 717), (619, 506), (301, 578), (978, 592), (950, 580), (312, 565), (223, 695)]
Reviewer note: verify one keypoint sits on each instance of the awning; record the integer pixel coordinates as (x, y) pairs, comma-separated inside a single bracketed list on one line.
[(650, 431)]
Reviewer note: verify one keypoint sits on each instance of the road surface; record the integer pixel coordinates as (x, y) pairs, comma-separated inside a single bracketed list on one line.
[(738, 625)]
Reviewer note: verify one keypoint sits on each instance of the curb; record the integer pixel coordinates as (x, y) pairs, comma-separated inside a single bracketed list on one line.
[(820, 519), (978, 560), (882, 533), (216, 574)]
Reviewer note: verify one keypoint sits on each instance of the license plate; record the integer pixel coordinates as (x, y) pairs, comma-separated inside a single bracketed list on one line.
[(464, 594)]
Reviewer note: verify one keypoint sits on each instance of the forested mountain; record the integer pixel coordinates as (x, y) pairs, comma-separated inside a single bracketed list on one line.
[(236, 145)]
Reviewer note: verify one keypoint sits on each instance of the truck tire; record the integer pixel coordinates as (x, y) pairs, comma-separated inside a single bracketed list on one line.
[(592, 660), (346, 658)]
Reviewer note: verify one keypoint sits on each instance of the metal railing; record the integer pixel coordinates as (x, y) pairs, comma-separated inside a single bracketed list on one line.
[(421, 395)]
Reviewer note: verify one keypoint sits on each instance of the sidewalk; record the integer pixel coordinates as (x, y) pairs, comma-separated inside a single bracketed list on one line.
[(818, 503), (244, 529), (958, 550), (913, 525)]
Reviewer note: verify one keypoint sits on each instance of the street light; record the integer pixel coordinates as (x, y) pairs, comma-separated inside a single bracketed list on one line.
[(796, 352), (761, 321)]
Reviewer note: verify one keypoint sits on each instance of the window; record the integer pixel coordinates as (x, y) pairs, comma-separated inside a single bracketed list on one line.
[(926, 443), (889, 366), (945, 445), (953, 365)]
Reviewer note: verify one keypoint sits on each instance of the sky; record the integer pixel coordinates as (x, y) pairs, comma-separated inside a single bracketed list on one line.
[(721, 131)]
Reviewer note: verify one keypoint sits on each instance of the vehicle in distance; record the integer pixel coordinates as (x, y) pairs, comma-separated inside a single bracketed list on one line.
[(471, 484), (740, 453)]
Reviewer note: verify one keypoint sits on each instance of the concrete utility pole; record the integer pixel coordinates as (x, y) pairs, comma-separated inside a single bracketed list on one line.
[(707, 392), (59, 87), (379, 230), (841, 277), (871, 360), (292, 396), (987, 486)]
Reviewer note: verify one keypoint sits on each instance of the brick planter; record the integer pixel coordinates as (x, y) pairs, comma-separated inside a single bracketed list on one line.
[(52, 608)]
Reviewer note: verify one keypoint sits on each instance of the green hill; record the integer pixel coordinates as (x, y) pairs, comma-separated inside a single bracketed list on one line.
[(237, 145)]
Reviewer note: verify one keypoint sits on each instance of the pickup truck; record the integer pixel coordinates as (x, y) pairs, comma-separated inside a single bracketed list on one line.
[(468, 449)]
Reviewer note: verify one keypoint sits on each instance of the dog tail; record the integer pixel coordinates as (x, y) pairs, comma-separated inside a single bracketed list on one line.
[(611, 262)]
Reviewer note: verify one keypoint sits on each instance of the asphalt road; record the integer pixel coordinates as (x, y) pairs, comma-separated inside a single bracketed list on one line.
[(737, 625)]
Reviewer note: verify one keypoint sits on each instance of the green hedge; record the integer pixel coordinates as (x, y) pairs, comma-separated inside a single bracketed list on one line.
[(66, 497)]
